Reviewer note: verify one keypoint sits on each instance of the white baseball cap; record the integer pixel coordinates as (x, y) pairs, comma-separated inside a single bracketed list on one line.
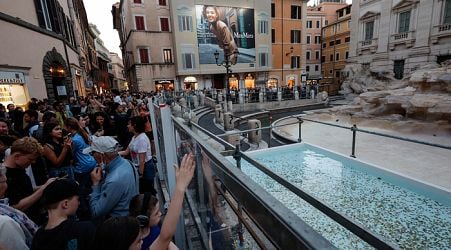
[(102, 144)]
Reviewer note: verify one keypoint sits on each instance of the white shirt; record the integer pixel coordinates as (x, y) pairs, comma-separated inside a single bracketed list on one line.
[(140, 144)]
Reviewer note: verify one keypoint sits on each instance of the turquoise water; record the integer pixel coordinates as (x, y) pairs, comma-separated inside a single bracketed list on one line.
[(402, 217)]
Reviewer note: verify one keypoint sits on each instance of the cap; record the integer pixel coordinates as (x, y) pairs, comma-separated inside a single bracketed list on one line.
[(59, 190), (102, 144)]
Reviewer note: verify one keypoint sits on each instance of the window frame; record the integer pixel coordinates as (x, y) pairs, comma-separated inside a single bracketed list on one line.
[(295, 36), (295, 62), (192, 61), (161, 18), (143, 20), (368, 35), (404, 23), (167, 57), (262, 26), (296, 12), (147, 49), (185, 23)]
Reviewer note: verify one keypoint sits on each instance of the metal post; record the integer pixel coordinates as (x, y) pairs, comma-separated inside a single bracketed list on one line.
[(300, 128), (237, 156), (354, 131), (270, 130)]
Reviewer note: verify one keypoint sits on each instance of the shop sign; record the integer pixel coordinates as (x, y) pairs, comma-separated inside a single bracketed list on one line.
[(8, 77), (61, 90)]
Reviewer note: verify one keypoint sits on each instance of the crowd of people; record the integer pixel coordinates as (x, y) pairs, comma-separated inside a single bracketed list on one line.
[(81, 175)]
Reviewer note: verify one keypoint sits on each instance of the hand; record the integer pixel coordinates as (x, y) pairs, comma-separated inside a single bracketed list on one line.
[(68, 142), (185, 172), (96, 175), (50, 180)]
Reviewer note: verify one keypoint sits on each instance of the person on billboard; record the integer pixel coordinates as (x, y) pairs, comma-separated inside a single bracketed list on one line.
[(222, 33)]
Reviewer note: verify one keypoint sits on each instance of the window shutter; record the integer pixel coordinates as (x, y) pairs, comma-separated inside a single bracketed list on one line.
[(39, 13)]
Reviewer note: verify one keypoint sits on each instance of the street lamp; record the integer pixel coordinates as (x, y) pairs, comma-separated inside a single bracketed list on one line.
[(226, 64)]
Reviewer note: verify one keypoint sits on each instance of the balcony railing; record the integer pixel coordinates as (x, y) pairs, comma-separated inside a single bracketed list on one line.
[(370, 44), (442, 30)]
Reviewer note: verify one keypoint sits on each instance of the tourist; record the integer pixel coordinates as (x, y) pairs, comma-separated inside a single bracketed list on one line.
[(102, 125), (118, 233), (17, 230), (114, 183), (20, 190), (60, 232), (140, 151), (146, 208), (57, 151)]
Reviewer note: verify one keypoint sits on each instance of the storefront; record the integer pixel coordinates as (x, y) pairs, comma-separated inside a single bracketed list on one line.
[(291, 81), (249, 81), (13, 88), (167, 85), (233, 82), (272, 83)]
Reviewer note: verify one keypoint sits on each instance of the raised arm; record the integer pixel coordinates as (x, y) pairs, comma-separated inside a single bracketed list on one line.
[(183, 175)]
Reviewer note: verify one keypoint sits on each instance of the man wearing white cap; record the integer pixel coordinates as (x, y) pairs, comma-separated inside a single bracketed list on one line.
[(115, 180)]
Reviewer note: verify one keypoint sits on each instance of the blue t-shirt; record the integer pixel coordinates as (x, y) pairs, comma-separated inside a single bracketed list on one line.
[(149, 239), (84, 163)]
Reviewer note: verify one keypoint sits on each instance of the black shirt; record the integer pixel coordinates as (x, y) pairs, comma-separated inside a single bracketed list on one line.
[(67, 235), (19, 185)]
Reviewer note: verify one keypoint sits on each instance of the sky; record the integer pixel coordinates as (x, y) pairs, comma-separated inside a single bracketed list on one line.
[(99, 13)]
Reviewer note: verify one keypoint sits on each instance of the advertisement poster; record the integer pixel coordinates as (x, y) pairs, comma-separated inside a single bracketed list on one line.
[(228, 30)]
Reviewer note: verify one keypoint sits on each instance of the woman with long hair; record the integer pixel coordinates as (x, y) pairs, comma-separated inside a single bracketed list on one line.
[(83, 164), (102, 125), (140, 151), (57, 151)]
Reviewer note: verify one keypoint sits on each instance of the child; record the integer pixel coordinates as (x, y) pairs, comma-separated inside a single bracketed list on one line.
[(61, 199)]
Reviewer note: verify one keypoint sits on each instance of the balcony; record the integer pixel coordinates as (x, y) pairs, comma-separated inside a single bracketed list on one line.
[(439, 31), (370, 44), (407, 38)]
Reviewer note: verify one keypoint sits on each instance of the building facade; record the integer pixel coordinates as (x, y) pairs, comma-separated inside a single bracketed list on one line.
[(50, 66), (175, 48), (117, 69), (315, 21), (146, 37), (399, 36), (288, 42), (335, 49), (102, 77)]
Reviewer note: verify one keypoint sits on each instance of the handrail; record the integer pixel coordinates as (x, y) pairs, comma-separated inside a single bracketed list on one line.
[(286, 230)]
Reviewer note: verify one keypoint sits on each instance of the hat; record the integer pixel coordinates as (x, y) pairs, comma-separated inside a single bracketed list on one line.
[(102, 144), (59, 190)]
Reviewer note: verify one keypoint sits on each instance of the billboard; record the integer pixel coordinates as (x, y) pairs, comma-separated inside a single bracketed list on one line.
[(228, 30)]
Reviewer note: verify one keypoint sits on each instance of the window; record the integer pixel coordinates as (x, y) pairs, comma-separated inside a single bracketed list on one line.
[(273, 10), (326, 22), (164, 23), (185, 23), (338, 41), (295, 12), (308, 39), (137, 1), (307, 68), (162, 2), (404, 21), (139, 23), (347, 55), (398, 69), (317, 54), (263, 59), (295, 36), (309, 24), (331, 43), (447, 17), (263, 27), (337, 57), (331, 57), (273, 35), (42, 12), (347, 39), (295, 62), (323, 59), (144, 55), (337, 73), (167, 55), (307, 55), (349, 24), (316, 67), (369, 26), (188, 61), (318, 24), (317, 39), (324, 45)]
